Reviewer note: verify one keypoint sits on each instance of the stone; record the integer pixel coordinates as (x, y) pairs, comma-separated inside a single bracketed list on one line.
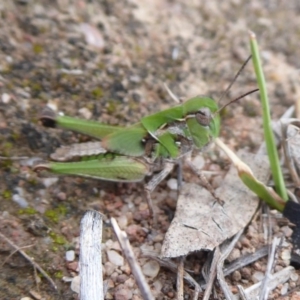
[(115, 258), (151, 268)]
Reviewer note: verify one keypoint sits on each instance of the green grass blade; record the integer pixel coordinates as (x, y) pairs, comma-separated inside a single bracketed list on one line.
[(268, 133), (264, 192)]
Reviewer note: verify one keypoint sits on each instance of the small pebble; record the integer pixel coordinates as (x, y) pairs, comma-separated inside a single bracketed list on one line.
[(257, 266), (286, 255), (92, 35), (158, 238), (109, 268), (172, 184), (20, 200), (157, 286), (61, 196), (126, 269), (198, 162), (135, 78), (5, 98), (257, 276), (151, 268), (236, 276), (294, 276), (214, 168), (157, 247), (216, 181), (36, 295), (122, 221), (114, 275), (135, 232), (115, 246), (252, 230), (276, 228), (287, 231), (47, 182), (245, 251), (238, 245), (284, 289), (52, 105), (122, 278), (75, 284), (85, 112), (73, 266), (123, 293), (130, 282), (175, 53), (70, 255), (245, 242), (115, 258), (109, 283), (9, 59), (246, 273), (235, 254), (109, 244)]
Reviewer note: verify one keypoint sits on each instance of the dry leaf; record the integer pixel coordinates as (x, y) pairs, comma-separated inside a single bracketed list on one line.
[(200, 223)]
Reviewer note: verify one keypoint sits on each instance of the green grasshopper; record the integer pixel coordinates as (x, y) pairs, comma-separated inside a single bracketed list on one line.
[(155, 144), (131, 153)]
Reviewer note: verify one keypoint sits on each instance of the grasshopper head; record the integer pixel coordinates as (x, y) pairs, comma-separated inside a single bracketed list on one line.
[(201, 118), (203, 109)]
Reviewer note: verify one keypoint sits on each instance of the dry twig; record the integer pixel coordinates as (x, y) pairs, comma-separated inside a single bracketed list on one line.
[(212, 273), (135, 268), (242, 292), (166, 263), (264, 291), (180, 273), (91, 281), (35, 265), (220, 273)]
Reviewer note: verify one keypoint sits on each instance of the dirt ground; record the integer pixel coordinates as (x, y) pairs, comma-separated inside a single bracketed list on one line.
[(107, 61)]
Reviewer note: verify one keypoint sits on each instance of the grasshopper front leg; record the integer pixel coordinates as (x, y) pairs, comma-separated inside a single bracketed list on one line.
[(155, 181)]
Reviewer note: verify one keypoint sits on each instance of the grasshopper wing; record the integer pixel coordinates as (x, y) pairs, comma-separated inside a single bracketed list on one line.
[(128, 141), (160, 120)]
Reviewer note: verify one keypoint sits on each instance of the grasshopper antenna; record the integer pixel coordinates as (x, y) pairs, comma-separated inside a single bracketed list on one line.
[(233, 81), (236, 99), (172, 95)]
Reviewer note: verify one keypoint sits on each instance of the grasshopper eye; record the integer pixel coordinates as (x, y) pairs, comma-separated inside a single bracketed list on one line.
[(203, 116)]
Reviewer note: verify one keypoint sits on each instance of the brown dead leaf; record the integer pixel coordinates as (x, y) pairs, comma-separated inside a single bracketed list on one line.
[(200, 223)]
